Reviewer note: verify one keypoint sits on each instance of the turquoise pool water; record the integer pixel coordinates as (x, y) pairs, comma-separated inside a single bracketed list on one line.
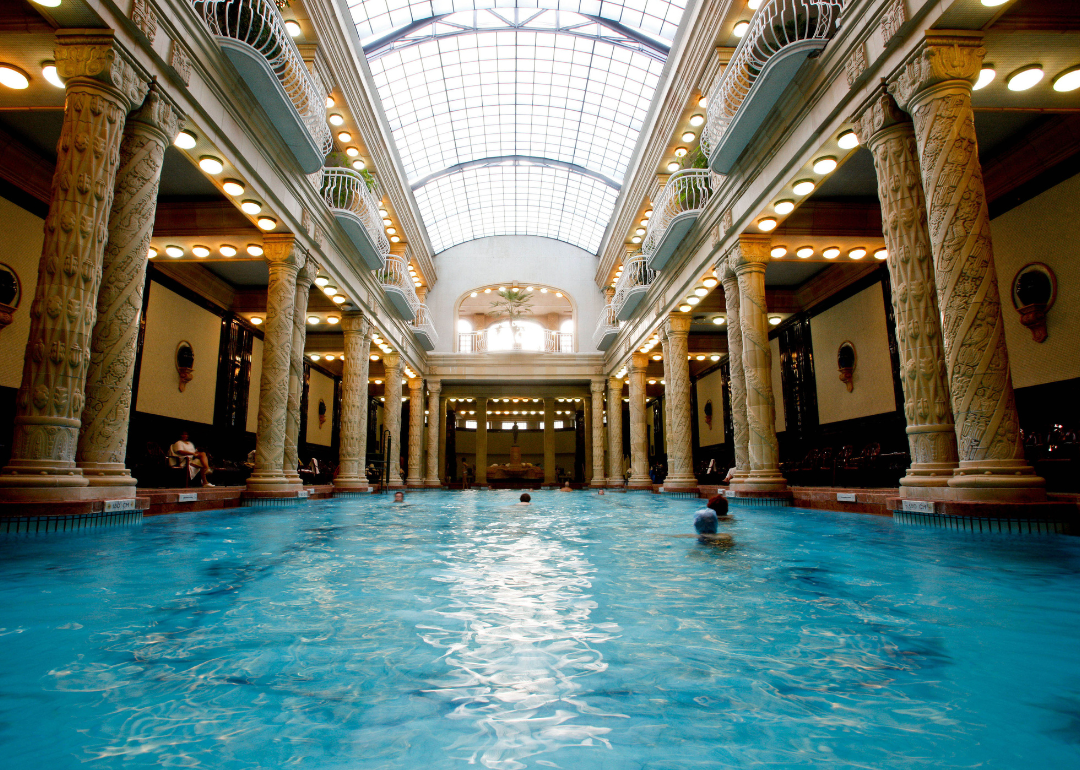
[(581, 632)]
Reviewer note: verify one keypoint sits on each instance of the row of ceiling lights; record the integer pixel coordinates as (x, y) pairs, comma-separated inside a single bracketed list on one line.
[(17, 79), (822, 166), (830, 252), (488, 290), (1029, 76), (226, 250)]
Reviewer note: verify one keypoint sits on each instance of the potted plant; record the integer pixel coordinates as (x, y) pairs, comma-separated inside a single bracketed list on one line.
[(512, 304)]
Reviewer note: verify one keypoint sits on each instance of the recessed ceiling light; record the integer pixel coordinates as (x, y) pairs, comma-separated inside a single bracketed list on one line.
[(635, 239), (543, 291), (329, 356), (648, 213), (700, 358), (778, 251), (645, 223), (227, 251), (689, 136), (685, 308), (1069, 80), (395, 239), (487, 291), (804, 252), (391, 231), (774, 320), (185, 140), (697, 120), (740, 28), (1024, 78), (336, 120), (673, 167), (832, 252), (693, 300), (753, 5), (352, 152), (387, 222), (330, 101), (719, 320), (680, 152), (13, 77), (211, 165), (267, 223), (48, 71), (315, 357), (374, 357), (345, 136), (857, 253), (233, 187), (703, 102), (329, 290), (710, 282), (986, 77), (784, 207), (251, 207), (767, 224), (824, 165), (803, 187), (257, 320), (848, 140), (557, 294), (640, 231), (338, 299), (701, 292), (332, 319), (994, 3), (313, 319), (881, 254), (292, 28), (174, 251), (48, 3), (200, 251), (714, 357), (255, 250), (359, 165), (151, 253)]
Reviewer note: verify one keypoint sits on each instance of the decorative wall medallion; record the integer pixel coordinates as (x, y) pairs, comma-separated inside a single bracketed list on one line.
[(895, 17), (845, 362), (1034, 290), (856, 64), (185, 363), (143, 16), (10, 294), (179, 61), (708, 412), (322, 412)]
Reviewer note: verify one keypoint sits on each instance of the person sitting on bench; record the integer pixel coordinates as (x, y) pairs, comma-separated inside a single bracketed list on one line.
[(183, 454)]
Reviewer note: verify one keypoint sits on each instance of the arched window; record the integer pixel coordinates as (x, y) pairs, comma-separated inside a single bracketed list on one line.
[(524, 335)]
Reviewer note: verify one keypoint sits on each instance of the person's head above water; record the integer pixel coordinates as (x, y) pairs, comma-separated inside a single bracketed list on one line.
[(718, 504), (399, 497), (526, 497), (705, 521)]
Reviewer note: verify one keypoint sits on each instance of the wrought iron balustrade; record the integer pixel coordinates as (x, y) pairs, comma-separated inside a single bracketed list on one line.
[(357, 210), (632, 285), (607, 328), (398, 285), (423, 329), (558, 342), (674, 213)]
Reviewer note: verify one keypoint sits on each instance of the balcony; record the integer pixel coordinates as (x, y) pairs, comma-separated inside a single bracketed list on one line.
[(424, 330), (674, 213), (544, 341), (357, 211), (607, 329), (398, 285), (782, 35), (631, 287), (252, 35)]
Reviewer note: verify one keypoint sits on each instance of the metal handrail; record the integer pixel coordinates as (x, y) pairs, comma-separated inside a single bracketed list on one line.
[(686, 190), (345, 189), (558, 342), (636, 272), (606, 321), (777, 24), (258, 23), (395, 274), (423, 323)]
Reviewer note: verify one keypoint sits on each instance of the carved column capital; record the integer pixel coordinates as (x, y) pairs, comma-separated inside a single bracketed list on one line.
[(282, 250), (434, 386), (943, 57), (95, 57), (354, 323), (639, 362), (597, 386), (306, 274), (392, 362), (415, 383), (615, 383), (159, 113), (677, 325), (751, 254), (879, 112)]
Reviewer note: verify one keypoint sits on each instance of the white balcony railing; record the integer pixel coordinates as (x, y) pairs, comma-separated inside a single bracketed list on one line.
[(357, 210), (253, 35), (472, 342), (782, 34), (558, 342), (607, 328), (398, 285), (631, 287), (551, 342), (674, 213), (424, 330)]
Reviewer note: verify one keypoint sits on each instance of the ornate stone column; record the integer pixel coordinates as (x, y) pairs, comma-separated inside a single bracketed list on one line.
[(102, 86), (285, 257), (416, 433), (596, 387), (304, 277), (586, 412), (549, 442), (352, 476), (750, 261), (103, 439), (934, 85), (614, 426), (677, 411), (890, 136), (481, 441), (392, 420), (435, 419), (737, 381), (639, 437), (440, 470)]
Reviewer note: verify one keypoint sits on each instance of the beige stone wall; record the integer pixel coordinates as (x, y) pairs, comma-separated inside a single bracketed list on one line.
[(860, 320), (777, 387), (169, 319), (531, 443), (710, 388), (20, 249), (1044, 229), (320, 387), (253, 385)]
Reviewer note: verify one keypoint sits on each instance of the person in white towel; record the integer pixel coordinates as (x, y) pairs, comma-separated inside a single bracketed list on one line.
[(183, 454)]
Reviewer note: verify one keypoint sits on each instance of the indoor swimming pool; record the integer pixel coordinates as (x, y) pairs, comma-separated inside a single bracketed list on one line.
[(582, 632)]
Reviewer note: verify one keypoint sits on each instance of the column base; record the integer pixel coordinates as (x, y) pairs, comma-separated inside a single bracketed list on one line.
[(351, 484), (639, 483), (274, 483), (414, 483), (598, 483), (997, 480), (926, 476), (616, 483), (675, 483), (768, 480), (433, 484), (41, 474), (107, 475)]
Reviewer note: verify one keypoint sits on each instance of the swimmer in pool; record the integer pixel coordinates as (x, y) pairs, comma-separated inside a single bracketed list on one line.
[(705, 522), (565, 487), (525, 498), (599, 491), (399, 497), (719, 504)]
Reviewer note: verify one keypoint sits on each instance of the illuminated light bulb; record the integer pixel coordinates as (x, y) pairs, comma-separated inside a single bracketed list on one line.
[(257, 320), (719, 320), (881, 254), (740, 28), (174, 251), (857, 253), (778, 252), (774, 320), (832, 252), (391, 231), (673, 167), (784, 207), (753, 5), (473, 294), (1069, 80), (352, 152), (185, 140), (767, 224), (993, 3), (848, 140), (313, 319), (387, 222), (709, 282), (329, 356), (648, 213), (640, 231), (200, 251), (233, 187), (48, 3), (693, 300), (986, 77), (824, 165), (338, 299), (292, 28), (329, 290), (255, 250), (701, 292), (703, 102), (384, 213), (487, 291), (321, 280), (804, 252), (48, 71), (557, 294), (644, 223), (251, 207), (528, 288), (151, 253), (680, 152), (652, 382), (333, 319), (330, 102), (803, 187), (697, 120), (315, 357), (336, 120), (359, 165), (714, 357), (689, 136), (684, 308), (13, 77), (1024, 78), (267, 223), (345, 136), (699, 358), (395, 239), (211, 165), (657, 358), (635, 239)]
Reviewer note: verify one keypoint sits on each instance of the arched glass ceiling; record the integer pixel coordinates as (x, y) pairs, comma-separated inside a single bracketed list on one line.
[(461, 88)]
